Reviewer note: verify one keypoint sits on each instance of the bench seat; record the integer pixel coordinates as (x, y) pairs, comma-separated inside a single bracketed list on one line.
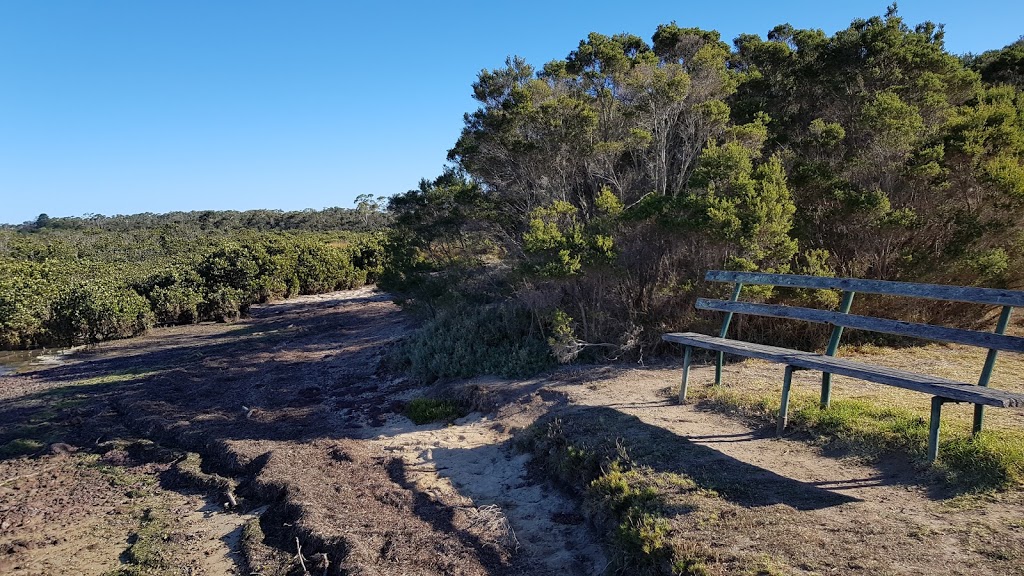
[(932, 385)]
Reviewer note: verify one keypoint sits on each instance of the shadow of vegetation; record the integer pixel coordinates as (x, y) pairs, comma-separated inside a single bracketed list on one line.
[(285, 385), (604, 430), (307, 373), (442, 519)]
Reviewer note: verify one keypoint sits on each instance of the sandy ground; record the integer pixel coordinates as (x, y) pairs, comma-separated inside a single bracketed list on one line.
[(292, 409)]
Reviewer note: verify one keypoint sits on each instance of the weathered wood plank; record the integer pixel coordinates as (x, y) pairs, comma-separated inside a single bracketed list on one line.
[(898, 327), (933, 385), (993, 296)]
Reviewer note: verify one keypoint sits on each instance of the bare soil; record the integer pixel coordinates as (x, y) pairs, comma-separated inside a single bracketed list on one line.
[(302, 444)]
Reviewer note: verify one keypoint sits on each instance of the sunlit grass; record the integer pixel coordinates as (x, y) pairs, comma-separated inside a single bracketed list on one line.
[(872, 419), (427, 410)]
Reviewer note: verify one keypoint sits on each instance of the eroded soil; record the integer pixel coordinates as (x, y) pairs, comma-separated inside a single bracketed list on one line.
[(302, 445)]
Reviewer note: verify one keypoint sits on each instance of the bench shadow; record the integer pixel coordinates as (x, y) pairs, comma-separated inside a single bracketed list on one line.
[(663, 451)]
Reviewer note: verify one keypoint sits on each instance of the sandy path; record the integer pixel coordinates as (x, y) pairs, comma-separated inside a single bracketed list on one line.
[(475, 458)]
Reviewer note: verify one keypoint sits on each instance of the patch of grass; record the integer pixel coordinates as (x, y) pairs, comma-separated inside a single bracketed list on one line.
[(990, 460), (630, 502), (765, 566), (21, 447), (427, 410), (993, 460), (147, 554), (118, 475), (114, 377), (641, 537)]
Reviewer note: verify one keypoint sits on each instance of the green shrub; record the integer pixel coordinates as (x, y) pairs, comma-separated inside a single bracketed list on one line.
[(471, 341), (368, 254), (24, 296), (175, 295), (95, 311), (224, 304), (427, 410), (618, 496), (321, 268), (61, 285)]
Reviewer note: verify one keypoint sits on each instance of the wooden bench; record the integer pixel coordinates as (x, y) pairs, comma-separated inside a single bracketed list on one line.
[(942, 390)]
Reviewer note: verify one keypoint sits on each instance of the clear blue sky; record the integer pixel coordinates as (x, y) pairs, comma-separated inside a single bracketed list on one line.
[(125, 106)]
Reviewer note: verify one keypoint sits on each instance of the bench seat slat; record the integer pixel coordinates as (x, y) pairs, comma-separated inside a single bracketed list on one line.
[(933, 385), (901, 328), (992, 296)]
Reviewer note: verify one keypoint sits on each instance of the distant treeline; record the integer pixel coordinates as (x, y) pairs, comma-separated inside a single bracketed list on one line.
[(366, 217), (67, 281), (589, 196)]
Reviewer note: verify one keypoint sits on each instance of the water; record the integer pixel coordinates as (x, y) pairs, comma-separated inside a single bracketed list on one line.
[(14, 361)]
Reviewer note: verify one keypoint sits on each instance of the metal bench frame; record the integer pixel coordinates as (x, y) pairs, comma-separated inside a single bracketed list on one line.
[(941, 389)]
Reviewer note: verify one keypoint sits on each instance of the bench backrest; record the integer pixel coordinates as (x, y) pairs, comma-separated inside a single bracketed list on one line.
[(993, 341)]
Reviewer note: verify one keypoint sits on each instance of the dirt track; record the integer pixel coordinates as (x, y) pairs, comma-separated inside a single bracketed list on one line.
[(295, 421)]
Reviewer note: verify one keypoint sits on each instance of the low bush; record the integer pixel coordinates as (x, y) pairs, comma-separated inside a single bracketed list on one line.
[(470, 341), (57, 292), (94, 311)]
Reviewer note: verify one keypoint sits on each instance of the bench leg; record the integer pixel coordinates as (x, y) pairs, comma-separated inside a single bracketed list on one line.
[(687, 355), (933, 428), (718, 368), (979, 418), (787, 383), (826, 390)]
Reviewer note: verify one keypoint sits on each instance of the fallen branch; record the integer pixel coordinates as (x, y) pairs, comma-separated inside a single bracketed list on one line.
[(302, 561)]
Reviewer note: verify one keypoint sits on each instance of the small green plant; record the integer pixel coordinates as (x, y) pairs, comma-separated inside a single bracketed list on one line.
[(427, 410), (147, 554), (625, 499), (20, 447)]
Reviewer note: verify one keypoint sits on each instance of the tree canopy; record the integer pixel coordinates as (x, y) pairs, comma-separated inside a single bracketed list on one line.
[(606, 182)]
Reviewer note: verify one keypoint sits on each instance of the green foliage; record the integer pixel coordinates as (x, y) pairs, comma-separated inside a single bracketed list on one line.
[(623, 498), (557, 242), (562, 341), (175, 295), (21, 447), (64, 284), (320, 268), (427, 410), (95, 311), (148, 552), (608, 182), (642, 532), (1003, 66), (464, 342)]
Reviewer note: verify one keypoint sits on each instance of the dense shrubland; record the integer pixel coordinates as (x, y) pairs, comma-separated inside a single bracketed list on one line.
[(80, 280), (589, 196)]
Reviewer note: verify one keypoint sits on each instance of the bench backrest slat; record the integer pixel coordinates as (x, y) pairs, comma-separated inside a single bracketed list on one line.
[(897, 327), (992, 296)]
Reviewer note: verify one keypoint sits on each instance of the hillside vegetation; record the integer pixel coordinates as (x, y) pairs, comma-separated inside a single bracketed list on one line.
[(588, 196), (66, 281)]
